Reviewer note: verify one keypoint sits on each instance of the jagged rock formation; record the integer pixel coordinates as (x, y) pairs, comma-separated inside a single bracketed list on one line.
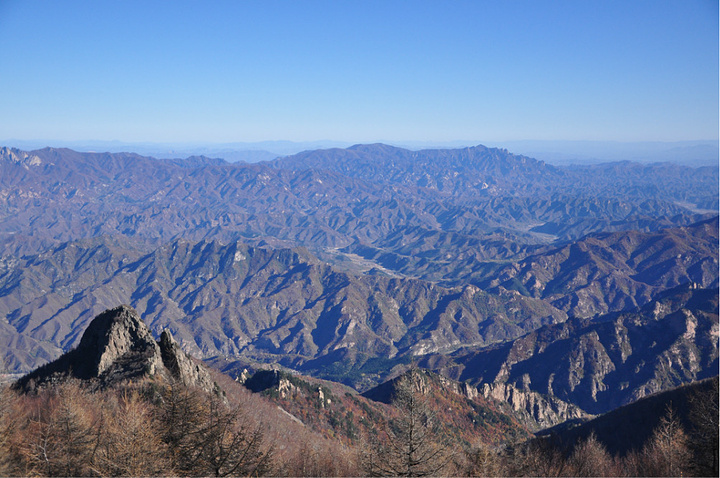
[(458, 405), (22, 158), (342, 413), (606, 362), (118, 344), (116, 347), (181, 366), (535, 410)]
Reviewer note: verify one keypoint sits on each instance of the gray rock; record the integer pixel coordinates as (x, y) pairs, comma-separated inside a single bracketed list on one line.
[(181, 366), (118, 347), (119, 341), (536, 410)]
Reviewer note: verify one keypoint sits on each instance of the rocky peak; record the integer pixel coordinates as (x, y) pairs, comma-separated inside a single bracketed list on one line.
[(181, 366), (19, 157), (117, 346), (118, 338)]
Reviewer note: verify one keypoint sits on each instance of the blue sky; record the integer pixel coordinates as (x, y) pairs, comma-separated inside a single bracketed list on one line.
[(359, 71)]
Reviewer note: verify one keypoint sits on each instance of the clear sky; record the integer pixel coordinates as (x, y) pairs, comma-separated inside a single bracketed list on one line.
[(359, 71)]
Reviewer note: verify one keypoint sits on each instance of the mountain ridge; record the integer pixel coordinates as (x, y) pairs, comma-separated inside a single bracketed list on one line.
[(264, 304), (70, 195), (602, 363)]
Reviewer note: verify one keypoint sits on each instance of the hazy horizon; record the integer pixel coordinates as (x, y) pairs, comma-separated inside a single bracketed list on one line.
[(691, 153)]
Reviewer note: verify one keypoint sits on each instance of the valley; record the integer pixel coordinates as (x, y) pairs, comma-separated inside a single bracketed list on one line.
[(538, 293)]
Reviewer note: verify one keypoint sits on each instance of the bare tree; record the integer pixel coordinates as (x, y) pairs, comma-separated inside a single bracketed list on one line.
[(704, 441), (132, 444), (62, 439), (484, 460), (413, 444), (9, 418), (538, 457), (666, 453), (229, 446), (206, 437), (590, 458), (181, 418)]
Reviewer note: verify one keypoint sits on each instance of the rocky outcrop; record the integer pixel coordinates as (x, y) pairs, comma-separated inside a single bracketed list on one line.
[(535, 410), (603, 363), (118, 343), (12, 155), (118, 347), (181, 366), (277, 380)]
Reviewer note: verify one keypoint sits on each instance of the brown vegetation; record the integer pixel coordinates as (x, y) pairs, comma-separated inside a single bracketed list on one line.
[(414, 444), (153, 429), (146, 430), (670, 451)]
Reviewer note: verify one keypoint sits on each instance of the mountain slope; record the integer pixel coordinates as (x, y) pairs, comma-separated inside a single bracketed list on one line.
[(598, 261), (482, 171), (469, 171), (607, 362), (284, 305), (628, 427), (614, 271), (264, 304)]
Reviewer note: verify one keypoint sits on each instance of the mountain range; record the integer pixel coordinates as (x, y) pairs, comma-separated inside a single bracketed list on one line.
[(519, 277), (369, 194)]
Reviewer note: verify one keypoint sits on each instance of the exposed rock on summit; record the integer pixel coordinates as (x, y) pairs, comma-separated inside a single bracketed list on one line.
[(181, 366), (117, 342), (117, 346), (15, 156)]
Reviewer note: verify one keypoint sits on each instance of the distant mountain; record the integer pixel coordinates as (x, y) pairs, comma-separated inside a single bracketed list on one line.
[(482, 171), (333, 198), (459, 172), (606, 362), (264, 304), (689, 153), (231, 152), (601, 272), (613, 271)]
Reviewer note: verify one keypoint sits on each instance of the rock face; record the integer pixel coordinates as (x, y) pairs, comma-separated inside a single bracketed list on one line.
[(117, 346), (15, 156), (535, 410), (182, 367), (607, 362), (117, 342), (272, 379)]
